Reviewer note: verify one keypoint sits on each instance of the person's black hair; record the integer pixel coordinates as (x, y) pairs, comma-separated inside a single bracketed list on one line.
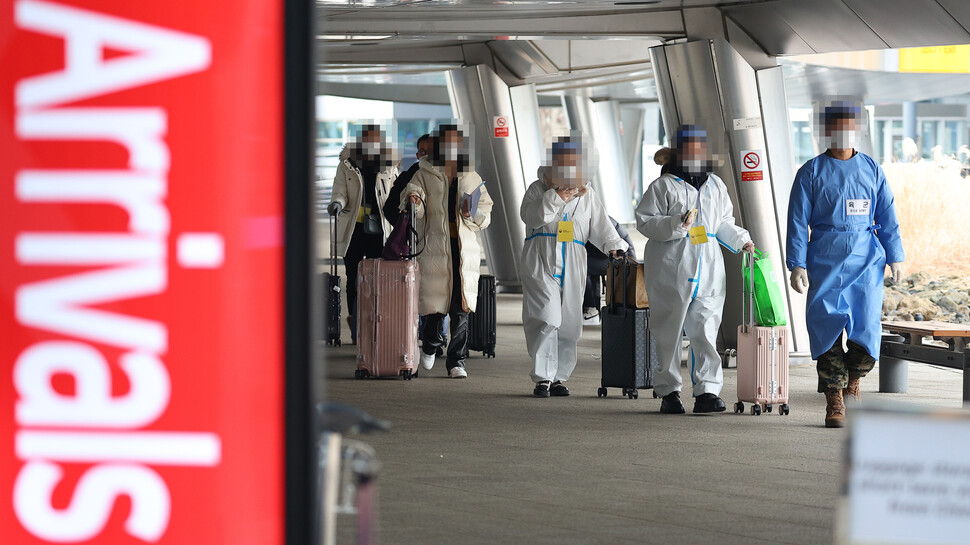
[(422, 138)]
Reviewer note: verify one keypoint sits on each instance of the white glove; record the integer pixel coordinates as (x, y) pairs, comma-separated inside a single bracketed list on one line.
[(799, 279), (334, 208), (897, 270)]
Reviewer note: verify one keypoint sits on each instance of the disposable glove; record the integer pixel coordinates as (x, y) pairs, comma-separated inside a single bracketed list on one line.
[(799, 279), (897, 270)]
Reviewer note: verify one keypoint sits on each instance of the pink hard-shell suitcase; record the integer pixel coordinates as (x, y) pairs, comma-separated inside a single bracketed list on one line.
[(387, 315), (762, 360), (387, 318)]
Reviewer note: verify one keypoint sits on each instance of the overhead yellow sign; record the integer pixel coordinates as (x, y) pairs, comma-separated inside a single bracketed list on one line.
[(944, 58)]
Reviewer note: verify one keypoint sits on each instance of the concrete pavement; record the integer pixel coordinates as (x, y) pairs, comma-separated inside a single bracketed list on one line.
[(481, 460)]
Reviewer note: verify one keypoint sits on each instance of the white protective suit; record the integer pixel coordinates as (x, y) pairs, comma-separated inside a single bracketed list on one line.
[(685, 282), (554, 273)]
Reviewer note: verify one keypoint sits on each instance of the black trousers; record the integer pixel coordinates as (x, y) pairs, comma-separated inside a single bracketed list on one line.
[(433, 340), (361, 246), (591, 298)]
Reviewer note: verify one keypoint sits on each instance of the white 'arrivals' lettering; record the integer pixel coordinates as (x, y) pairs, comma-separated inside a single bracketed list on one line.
[(62, 305), (104, 430), (92, 403), (158, 54), (91, 502)]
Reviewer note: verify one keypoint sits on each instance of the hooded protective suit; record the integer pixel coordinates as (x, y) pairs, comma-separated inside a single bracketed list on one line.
[(854, 233), (554, 273), (685, 282)]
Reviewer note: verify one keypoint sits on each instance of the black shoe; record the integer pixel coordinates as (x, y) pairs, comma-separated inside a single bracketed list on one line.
[(559, 389), (672, 404), (708, 403), (542, 389)]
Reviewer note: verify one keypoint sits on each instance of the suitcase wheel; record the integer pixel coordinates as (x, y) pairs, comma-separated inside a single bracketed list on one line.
[(783, 410), (756, 409), (601, 392), (738, 408), (768, 408), (631, 393), (361, 373), (407, 374)]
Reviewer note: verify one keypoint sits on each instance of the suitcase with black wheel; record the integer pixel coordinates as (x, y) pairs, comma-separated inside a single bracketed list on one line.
[(628, 349), (331, 290), (387, 315), (482, 322), (762, 357)]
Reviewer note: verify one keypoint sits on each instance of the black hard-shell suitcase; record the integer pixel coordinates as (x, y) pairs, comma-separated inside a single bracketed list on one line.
[(628, 350), (331, 289), (482, 323)]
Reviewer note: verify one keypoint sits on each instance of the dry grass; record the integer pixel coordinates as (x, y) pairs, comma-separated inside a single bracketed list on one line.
[(933, 207)]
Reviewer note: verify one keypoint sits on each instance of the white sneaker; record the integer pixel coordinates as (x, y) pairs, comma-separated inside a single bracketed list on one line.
[(427, 360), (458, 372), (595, 320)]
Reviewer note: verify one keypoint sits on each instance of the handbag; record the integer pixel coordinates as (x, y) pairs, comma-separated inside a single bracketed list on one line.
[(372, 225), (398, 245), (635, 289)]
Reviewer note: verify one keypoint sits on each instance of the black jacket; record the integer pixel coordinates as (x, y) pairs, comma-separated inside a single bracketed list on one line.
[(597, 261), (393, 203)]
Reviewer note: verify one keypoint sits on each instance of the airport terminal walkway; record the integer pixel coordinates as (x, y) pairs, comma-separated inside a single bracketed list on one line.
[(482, 461)]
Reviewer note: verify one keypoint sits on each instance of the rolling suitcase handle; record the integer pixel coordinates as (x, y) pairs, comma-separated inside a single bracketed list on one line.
[(614, 260), (333, 245), (747, 317), (412, 232)]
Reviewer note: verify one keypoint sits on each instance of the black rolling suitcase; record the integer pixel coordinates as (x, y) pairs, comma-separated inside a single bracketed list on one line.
[(481, 323), (331, 289), (628, 348)]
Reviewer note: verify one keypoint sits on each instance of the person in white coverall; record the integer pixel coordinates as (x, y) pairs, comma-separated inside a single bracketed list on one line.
[(686, 213), (561, 213)]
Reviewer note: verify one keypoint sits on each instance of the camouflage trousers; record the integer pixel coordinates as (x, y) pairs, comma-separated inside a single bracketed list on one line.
[(836, 366)]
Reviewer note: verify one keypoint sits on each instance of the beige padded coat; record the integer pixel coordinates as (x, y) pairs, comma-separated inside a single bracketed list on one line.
[(348, 190), (431, 184)]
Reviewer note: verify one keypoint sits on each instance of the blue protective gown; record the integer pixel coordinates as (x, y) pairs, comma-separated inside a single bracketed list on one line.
[(854, 233)]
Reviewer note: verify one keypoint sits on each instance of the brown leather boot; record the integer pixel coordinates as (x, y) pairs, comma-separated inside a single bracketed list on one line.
[(834, 409), (852, 392)]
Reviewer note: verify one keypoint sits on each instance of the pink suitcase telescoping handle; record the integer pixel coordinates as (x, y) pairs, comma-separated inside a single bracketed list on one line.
[(747, 298)]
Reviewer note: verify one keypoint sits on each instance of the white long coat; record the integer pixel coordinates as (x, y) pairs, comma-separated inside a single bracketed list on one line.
[(431, 184), (348, 190), (554, 273)]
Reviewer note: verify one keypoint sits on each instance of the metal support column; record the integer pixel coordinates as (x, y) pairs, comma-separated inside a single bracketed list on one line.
[(478, 96), (599, 122), (709, 83)]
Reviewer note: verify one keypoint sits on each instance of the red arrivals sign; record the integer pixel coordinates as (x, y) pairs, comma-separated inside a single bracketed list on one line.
[(141, 296)]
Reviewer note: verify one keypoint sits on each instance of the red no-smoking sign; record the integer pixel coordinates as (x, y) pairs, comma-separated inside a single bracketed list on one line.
[(751, 169), (751, 160), (500, 126)]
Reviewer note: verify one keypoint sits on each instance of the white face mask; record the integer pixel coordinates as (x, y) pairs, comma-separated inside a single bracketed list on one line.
[(569, 173), (694, 166), (843, 139), (372, 148), (451, 152)]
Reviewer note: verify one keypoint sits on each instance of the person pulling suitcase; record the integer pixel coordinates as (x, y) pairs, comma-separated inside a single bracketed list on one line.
[(685, 213)]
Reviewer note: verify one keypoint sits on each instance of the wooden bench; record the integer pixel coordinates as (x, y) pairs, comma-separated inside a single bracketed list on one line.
[(896, 353)]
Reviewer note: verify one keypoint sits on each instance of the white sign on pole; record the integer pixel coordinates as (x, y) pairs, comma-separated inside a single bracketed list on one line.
[(908, 479), (752, 165)]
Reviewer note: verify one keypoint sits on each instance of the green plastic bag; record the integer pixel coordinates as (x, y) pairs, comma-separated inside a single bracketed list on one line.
[(769, 308)]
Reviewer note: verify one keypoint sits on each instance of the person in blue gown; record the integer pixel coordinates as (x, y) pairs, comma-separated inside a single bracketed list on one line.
[(842, 231)]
